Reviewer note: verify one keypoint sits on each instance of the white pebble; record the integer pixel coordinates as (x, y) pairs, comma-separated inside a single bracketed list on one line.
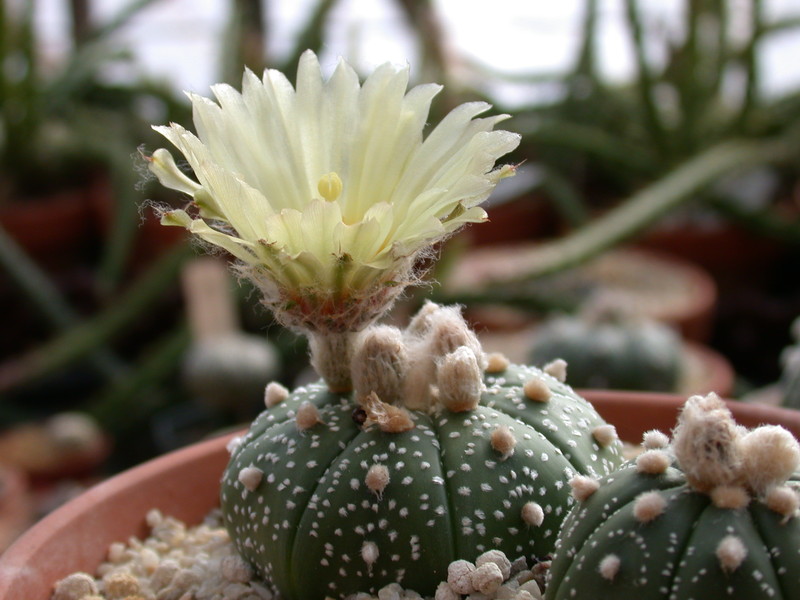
[(163, 575), (122, 584), (75, 587), (116, 552), (236, 570), (149, 560), (487, 577), (154, 518), (458, 576), (498, 558), (445, 592), (529, 591), (393, 591)]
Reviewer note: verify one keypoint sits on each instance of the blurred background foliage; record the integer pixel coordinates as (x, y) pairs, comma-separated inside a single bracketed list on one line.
[(689, 140)]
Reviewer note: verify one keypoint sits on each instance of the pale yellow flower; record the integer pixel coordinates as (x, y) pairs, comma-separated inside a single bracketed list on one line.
[(327, 193)]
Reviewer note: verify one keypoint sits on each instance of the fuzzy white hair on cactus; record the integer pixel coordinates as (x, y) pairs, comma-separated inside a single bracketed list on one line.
[(653, 462), (655, 439)]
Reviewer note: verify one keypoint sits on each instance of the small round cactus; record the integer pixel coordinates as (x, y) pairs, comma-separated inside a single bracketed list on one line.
[(607, 350), (439, 454), (711, 515)]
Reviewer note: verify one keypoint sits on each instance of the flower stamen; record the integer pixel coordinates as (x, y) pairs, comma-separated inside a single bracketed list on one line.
[(330, 186)]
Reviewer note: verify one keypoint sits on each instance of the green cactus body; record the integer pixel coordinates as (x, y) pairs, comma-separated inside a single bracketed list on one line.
[(611, 353), (648, 533), (339, 507)]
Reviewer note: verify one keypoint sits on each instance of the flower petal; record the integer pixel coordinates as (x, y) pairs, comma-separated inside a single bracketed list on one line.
[(163, 166), (240, 248), (259, 157)]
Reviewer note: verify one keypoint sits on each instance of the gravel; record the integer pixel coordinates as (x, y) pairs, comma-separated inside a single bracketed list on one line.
[(176, 562)]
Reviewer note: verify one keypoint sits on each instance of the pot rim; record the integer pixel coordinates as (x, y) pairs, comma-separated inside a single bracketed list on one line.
[(106, 513)]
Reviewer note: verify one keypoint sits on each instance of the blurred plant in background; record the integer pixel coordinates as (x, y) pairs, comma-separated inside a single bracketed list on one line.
[(688, 155)]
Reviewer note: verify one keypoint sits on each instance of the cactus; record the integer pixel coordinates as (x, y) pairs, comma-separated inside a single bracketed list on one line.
[(711, 515), (607, 350), (416, 450), (439, 454)]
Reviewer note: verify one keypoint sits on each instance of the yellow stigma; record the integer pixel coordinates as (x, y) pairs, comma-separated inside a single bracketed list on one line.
[(330, 186)]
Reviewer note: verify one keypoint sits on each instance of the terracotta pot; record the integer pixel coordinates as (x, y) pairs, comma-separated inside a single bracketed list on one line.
[(706, 371), (520, 219), (633, 413), (76, 537), (729, 252), (655, 286), (53, 228), (16, 510), (185, 484)]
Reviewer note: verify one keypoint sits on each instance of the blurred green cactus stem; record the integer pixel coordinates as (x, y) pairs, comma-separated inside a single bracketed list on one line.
[(605, 348)]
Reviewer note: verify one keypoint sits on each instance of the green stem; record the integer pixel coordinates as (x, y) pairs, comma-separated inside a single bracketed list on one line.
[(687, 74), (590, 140), (48, 299), (650, 204), (565, 196), (331, 354), (645, 80), (122, 235), (83, 338), (586, 66), (119, 20), (311, 37), (80, 12), (750, 60), (422, 17), (27, 276), (722, 55), (115, 407)]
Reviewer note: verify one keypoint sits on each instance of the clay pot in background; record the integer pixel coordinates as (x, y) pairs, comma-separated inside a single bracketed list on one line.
[(655, 286)]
